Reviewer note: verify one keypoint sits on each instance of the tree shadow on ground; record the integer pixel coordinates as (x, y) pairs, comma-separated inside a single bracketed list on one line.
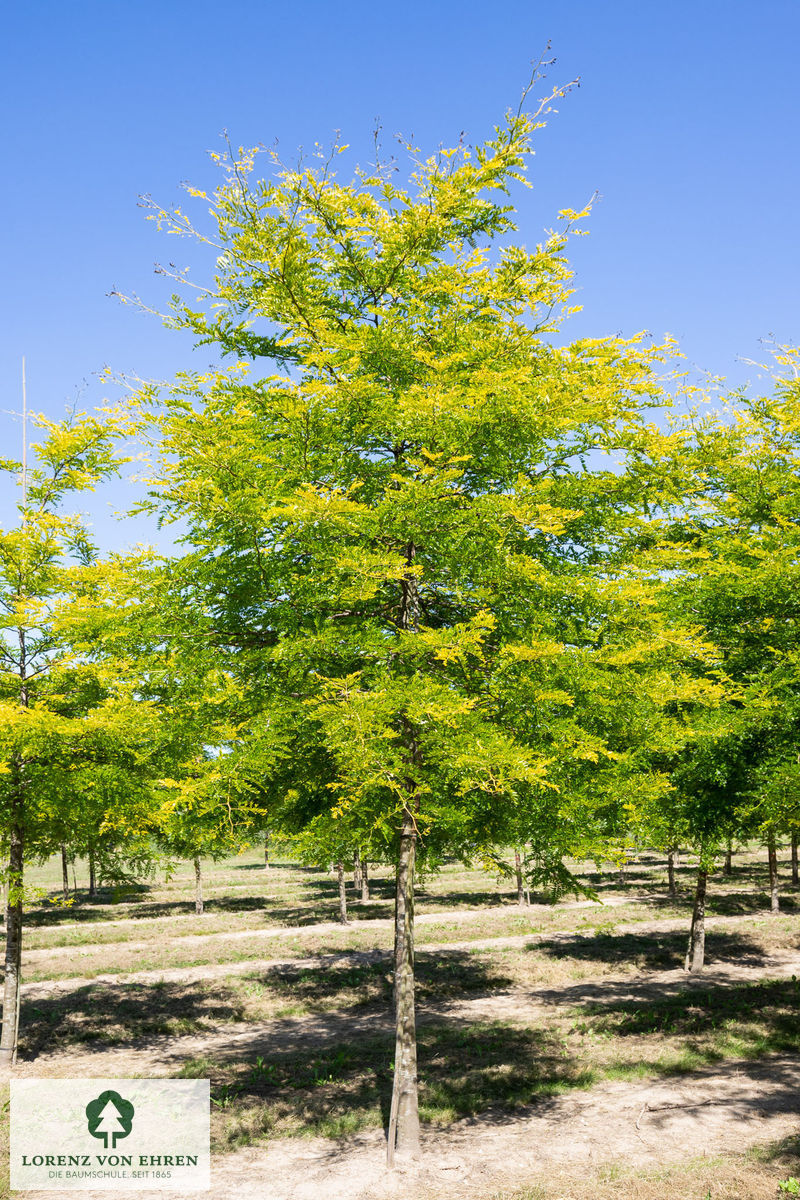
[(113, 1015), (745, 903), (345, 1085), (349, 983), (759, 1018), (317, 906), (651, 951), (459, 899)]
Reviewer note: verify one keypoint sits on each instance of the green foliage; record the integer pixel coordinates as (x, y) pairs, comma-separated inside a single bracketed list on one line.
[(396, 539), (76, 741)]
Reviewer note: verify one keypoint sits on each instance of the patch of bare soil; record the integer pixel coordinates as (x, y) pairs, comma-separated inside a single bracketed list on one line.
[(165, 1054), (645, 1125), (456, 915), (206, 971)]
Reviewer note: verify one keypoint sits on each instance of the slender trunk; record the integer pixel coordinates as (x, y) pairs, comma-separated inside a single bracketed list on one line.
[(357, 871), (198, 887), (364, 882), (795, 878), (772, 856), (727, 868), (520, 885), (12, 983), (92, 876), (64, 871), (671, 856), (404, 1116), (74, 876), (266, 851), (696, 951), (342, 893), (13, 955), (403, 1136)]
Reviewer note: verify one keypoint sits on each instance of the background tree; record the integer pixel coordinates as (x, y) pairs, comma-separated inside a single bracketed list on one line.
[(74, 738)]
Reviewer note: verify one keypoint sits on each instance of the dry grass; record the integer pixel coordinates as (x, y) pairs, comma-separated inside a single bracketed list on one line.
[(752, 1176), (340, 1085)]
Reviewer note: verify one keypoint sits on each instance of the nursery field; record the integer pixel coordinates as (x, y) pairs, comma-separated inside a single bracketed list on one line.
[(563, 1051)]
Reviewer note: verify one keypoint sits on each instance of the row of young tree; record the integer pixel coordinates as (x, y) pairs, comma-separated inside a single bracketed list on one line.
[(448, 582)]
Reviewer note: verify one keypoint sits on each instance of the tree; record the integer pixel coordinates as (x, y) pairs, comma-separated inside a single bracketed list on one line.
[(74, 739), (723, 529), (392, 535)]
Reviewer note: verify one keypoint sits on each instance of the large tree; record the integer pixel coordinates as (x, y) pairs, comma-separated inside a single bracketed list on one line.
[(397, 501)]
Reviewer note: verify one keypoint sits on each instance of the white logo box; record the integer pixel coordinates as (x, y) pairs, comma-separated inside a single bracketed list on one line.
[(72, 1135)]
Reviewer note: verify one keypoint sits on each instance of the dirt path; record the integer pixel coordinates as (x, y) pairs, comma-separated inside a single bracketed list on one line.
[(643, 1125), (164, 1055), (728, 1108), (197, 974), (451, 914)]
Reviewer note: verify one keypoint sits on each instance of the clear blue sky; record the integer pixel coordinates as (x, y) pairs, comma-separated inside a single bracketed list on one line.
[(685, 122)]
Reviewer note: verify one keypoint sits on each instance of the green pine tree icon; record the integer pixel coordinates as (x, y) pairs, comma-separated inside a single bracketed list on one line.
[(109, 1117)]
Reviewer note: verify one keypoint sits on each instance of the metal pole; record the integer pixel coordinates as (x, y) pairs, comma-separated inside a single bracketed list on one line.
[(24, 437)]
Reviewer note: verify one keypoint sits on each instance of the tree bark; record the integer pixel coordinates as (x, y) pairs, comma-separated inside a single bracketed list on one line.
[(12, 983), (64, 871), (13, 956), (364, 882), (357, 871), (727, 868), (520, 885), (342, 893), (671, 856), (772, 858), (795, 877), (696, 951), (92, 876), (198, 887), (404, 1115)]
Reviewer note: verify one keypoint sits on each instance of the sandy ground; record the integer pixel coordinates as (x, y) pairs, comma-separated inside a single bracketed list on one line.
[(642, 1124), (206, 971), (651, 1124)]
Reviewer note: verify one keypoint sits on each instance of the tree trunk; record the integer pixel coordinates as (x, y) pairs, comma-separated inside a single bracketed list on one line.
[(727, 868), (92, 877), (695, 954), (364, 882), (404, 1114), (13, 957), (772, 857), (795, 878), (671, 856), (342, 893), (266, 851), (518, 873), (64, 871), (74, 876), (357, 872), (198, 887)]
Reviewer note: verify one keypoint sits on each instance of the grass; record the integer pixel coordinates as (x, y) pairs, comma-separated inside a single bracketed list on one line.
[(593, 1027), (501, 1066), (751, 1176), (345, 1086)]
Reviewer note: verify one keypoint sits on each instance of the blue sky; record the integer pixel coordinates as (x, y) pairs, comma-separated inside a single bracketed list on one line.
[(685, 122)]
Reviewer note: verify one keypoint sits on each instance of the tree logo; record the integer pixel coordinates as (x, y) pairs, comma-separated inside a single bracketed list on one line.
[(109, 1116)]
